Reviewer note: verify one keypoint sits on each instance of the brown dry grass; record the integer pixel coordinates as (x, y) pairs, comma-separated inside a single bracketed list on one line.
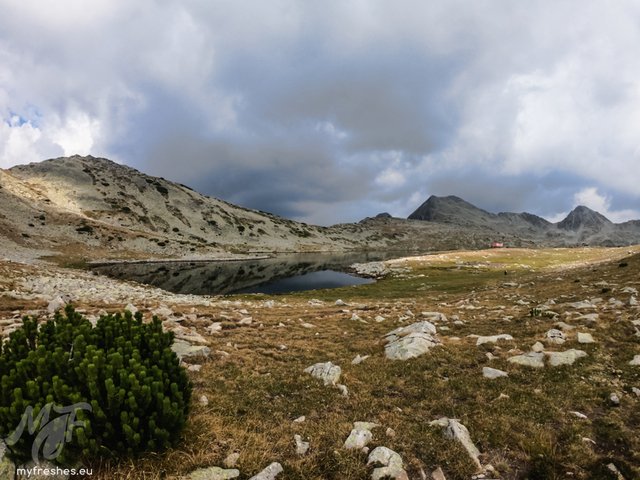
[(258, 389)]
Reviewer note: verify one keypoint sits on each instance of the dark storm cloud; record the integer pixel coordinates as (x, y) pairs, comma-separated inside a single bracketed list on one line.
[(335, 111)]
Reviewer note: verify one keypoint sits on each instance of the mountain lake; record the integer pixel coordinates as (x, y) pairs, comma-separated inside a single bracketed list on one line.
[(281, 273)]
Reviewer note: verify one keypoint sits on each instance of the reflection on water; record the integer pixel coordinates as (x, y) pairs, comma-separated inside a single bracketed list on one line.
[(280, 274)]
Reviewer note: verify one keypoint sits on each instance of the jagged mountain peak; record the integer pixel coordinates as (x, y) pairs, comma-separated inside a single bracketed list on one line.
[(583, 217)]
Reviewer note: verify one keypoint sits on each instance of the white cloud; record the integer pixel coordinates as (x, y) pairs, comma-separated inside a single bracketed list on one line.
[(590, 197)]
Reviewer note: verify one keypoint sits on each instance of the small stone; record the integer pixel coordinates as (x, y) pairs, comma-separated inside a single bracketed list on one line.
[(438, 474), (537, 347), (615, 399), (214, 473), (454, 430), (633, 302), (231, 460), (203, 400), (301, 447), (214, 328), (340, 303), (269, 473), (492, 373), (194, 368), (635, 361), (581, 416), (555, 336), (327, 372), (379, 319), (636, 391), (300, 419), (387, 463), (585, 338), (343, 390), (359, 359), (613, 469), (358, 439), (390, 432)]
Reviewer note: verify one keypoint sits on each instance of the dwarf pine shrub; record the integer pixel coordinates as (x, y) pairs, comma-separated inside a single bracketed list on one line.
[(135, 396)]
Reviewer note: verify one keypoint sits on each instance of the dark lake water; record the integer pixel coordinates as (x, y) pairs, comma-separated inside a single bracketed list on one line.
[(280, 274)]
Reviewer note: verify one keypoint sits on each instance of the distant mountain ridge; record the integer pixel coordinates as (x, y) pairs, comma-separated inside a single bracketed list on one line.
[(581, 226)]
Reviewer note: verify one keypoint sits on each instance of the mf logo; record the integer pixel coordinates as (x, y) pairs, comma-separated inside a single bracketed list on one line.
[(51, 434)]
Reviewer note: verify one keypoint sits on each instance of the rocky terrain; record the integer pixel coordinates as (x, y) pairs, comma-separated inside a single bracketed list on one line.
[(491, 364)]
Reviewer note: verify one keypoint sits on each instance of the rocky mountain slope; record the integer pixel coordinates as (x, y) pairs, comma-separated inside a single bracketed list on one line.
[(582, 226), (86, 204), (84, 208)]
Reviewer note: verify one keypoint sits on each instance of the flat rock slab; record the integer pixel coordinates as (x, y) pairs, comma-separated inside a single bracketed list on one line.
[(565, 358), (585, 338), (411, 341), (531, 359), (327, 372), (493, 338), (214, 473), (492, 373)]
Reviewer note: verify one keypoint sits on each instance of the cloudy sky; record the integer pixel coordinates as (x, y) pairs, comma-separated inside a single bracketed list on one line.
[(336, 110)]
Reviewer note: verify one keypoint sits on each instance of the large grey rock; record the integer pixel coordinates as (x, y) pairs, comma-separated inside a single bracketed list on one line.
[(530, 359), (269, 473), (493, 338), (454, 430), (214, 473), (565, 358), (387, 464), (327, 372), (184, 350), (411, 341)]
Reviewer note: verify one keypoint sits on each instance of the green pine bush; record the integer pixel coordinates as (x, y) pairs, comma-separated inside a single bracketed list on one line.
[(123, 368)]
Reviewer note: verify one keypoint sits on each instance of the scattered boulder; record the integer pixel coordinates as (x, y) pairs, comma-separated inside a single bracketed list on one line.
[(454, 430), (530, 359), (411, 341), (327, 372), (214, 473), (492, 373), (269, 473), (565, 358), (387, 464), (493, 338)]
